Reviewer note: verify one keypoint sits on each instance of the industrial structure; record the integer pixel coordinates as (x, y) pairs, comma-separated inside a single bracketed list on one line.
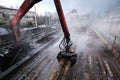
[(7, 13), (58, 51)]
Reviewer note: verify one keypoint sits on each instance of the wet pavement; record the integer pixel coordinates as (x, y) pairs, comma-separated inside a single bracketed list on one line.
[(93, 63)]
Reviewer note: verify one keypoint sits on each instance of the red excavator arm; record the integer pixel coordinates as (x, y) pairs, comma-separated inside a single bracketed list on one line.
[(27, 4), (24, 8), (65, 54)]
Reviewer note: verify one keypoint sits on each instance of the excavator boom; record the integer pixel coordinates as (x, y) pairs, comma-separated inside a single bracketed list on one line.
[(24, 8)]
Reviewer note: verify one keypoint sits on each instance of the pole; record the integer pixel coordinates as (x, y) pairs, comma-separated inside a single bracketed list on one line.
[(114, 42), (35, 17)]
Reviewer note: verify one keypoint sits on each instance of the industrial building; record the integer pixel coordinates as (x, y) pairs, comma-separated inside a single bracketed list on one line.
[(7, 13)]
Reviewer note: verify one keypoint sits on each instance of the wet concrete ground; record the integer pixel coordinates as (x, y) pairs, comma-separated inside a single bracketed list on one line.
[(92, 63)]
